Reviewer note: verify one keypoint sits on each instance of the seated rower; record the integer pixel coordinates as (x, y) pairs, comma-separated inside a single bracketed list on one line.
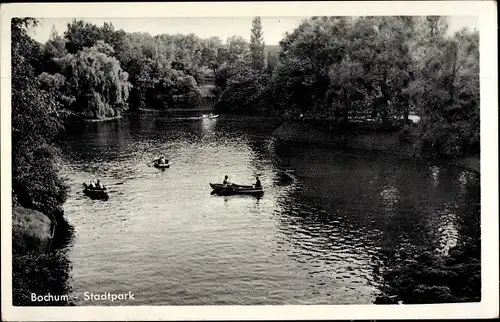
[(226, 182), (99, 185), (92, 184), (257, 183)]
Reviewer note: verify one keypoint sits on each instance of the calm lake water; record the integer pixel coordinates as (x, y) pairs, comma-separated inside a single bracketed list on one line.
[(316, 237)]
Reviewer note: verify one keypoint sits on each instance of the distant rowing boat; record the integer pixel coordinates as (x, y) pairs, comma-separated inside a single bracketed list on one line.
[(162, 165), (209, 116), (235, 189), (95, 193)]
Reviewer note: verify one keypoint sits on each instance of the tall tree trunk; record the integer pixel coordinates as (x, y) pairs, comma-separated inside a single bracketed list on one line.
[(405, 114)]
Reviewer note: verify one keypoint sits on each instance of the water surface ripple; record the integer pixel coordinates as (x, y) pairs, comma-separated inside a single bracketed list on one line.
[(314, 238)]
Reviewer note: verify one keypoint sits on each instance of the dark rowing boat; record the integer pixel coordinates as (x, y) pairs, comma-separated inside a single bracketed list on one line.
[(95, 193), (235, 189), (162, 165)]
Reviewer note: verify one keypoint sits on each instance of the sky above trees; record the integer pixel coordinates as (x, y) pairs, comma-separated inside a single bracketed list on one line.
[(273, 28)]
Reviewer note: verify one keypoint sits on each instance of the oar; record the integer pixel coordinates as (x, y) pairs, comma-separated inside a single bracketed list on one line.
[(106, 186), (149, 163), (114, 184), (111, 184)]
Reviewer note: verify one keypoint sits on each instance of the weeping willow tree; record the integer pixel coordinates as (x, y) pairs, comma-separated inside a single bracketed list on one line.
[(96, 81)]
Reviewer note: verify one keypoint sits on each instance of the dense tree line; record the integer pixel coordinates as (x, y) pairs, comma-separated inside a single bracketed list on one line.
[(98, 72), (104, 71), (36, 125), (384, 68)]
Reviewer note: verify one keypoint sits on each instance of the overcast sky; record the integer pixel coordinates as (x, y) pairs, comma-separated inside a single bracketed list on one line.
[(273, 27)]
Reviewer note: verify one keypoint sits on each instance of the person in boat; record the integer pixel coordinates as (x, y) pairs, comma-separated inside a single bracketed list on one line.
[(257, 183), (92, 184), (226, 181), (162, 159), (99, 185)]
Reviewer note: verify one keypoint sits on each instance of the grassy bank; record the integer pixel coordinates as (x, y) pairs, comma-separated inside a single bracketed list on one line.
[(387, 141)]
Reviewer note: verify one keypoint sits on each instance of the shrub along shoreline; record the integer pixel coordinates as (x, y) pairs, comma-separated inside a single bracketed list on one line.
[(38, 190), (382, 141)]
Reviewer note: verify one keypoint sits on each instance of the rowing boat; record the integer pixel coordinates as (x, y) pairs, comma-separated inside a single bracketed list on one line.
[(162, 165), (235, 189), (209, 116), (95, 193)]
